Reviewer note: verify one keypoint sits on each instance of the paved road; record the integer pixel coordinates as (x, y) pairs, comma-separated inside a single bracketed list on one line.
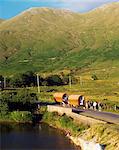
[(104, 116)]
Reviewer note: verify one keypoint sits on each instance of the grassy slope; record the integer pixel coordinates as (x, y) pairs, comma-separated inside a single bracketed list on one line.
[(1, 20), (103, 134), (48, 39)]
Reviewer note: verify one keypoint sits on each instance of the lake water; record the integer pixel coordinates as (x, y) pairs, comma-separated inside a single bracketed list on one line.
[(29, 137)]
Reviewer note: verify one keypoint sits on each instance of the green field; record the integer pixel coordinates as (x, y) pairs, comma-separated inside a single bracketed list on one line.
[(50, 41)]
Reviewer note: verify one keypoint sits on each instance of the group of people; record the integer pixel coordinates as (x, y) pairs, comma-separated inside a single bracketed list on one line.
[(93, 105)]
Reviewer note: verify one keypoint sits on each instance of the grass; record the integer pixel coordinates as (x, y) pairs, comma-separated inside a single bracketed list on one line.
[(104, 134), (63, 122), (104, 90), (54, 40), (17, 116)]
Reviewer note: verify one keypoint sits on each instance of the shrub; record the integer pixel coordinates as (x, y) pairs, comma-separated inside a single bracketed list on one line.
[(54, 80), (20, 116), (67, 123), (63, 122), (26, 79), (1, 82), (50, 117), (3, 108), (22, 95), (94, 77)]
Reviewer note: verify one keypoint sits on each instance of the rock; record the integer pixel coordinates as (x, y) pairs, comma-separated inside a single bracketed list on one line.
[(87, 145)]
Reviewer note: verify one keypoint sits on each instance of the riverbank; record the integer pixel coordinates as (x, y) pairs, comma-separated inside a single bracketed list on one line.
[(101, 136), (16, 136), (17, 116), (104, 136)]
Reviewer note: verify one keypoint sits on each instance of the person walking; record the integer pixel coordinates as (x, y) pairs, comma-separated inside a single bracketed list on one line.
[(94, 105), (99, 106), (91, 105), (86, 105)]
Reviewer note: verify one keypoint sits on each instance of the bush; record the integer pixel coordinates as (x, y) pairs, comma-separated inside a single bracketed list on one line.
[(1, 82), (94, 77), (18, 116), (65, 79), (50, 117), (3, 108), (22, 95), (54, 80), (26, 79), (67, 123), (63, 122), (23, 100)]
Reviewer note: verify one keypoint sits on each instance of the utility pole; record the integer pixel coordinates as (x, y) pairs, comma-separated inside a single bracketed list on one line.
[(4, 82), (38, 83), (80, 81), (69, 81)]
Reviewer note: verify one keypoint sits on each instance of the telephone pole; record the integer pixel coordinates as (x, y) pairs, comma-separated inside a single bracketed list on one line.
[(69, 81), (4, 82), (38, 83), (80, 81)]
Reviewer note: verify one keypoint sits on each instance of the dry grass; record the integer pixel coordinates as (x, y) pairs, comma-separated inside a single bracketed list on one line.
[(104, 134)]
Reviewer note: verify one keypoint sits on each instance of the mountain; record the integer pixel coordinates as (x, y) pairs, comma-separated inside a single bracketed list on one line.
[(46, 39), (1, 20)]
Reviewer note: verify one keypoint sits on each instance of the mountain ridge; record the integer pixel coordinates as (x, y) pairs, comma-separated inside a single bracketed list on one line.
[(54, 38)]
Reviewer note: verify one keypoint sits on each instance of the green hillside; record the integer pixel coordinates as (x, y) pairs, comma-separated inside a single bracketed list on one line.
[(1, 20), (45, 40)]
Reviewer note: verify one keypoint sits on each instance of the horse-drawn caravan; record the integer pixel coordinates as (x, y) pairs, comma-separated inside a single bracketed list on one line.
[(76, 100), (70, 100), (61, 98)]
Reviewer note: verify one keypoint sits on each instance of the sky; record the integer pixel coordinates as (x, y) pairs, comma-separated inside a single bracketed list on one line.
[(11, 8)]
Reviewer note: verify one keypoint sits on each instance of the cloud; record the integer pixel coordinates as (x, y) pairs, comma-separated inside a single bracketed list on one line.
[(84, 5), (74, 5), (86, 1)]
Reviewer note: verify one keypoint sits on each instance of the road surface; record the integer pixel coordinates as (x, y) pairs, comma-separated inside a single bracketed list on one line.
[(104, 116)]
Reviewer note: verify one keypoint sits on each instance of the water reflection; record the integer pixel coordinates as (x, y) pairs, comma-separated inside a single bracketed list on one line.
[(28, 137)]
